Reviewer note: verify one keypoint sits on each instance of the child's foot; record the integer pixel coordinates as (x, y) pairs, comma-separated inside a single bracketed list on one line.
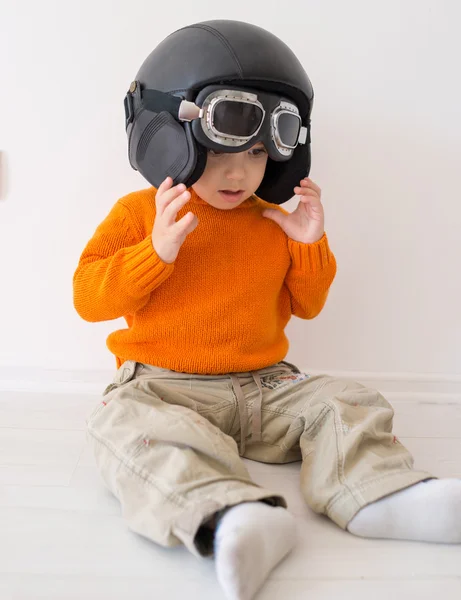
[(250, 540), (429, 511)]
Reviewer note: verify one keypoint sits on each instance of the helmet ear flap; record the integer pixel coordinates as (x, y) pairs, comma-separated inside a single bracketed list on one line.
[(281, 177), (200, 165), (158, 148)]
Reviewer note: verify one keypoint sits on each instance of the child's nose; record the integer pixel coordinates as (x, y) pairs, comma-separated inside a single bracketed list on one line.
[(235, 167)]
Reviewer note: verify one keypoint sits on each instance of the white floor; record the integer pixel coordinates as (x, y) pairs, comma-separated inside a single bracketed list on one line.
[(62, 537)]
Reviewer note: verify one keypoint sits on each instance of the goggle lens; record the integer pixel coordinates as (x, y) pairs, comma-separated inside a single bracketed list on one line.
[(239, 119), (288, 129)]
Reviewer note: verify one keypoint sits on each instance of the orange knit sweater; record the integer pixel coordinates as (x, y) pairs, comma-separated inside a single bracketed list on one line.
[(221, 307)]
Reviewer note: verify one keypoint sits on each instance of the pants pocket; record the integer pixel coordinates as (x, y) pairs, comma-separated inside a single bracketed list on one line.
[(124, 374)]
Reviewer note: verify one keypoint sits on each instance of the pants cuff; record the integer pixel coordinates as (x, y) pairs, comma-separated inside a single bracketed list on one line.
[(191, 528), (347, 504)]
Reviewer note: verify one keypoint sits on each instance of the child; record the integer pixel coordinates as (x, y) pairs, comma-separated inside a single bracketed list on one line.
[(207, 275)]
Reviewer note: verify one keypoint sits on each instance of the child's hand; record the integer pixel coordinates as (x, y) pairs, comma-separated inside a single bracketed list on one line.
[(168, 234), (306, 224)]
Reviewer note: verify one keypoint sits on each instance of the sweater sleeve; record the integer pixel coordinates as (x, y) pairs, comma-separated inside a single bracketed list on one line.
[(118, 269), (312, 271)]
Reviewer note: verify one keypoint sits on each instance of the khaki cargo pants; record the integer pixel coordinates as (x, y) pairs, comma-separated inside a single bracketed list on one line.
[(168, 445)]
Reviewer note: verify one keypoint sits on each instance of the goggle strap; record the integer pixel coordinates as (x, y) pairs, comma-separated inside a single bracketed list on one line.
[(157, 101), (180, 109), (183, 110)]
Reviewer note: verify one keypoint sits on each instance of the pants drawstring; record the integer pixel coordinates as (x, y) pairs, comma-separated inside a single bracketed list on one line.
[(256, 428)]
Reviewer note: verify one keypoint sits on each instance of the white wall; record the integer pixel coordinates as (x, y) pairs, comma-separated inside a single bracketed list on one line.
[(386, 152)]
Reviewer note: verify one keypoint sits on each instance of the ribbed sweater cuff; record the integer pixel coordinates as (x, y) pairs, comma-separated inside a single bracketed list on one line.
[(310, 257), (146, 268)]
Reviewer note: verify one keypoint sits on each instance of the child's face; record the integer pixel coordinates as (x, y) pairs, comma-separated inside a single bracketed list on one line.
[(241, 172)]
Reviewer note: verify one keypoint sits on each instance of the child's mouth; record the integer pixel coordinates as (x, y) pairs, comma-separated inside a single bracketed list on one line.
[(231, 196)]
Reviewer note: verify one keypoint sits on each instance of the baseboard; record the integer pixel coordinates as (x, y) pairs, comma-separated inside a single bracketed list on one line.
[(402, 385), (33, 379)]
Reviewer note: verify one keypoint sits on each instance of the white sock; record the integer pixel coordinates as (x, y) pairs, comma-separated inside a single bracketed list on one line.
[(250, 540), (429, 511)]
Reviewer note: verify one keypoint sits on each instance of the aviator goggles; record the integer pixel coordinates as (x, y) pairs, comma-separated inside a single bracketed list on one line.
[(233, 120)]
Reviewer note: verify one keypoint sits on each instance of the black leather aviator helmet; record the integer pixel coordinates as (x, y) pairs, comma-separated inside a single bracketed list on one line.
[(250, 72)]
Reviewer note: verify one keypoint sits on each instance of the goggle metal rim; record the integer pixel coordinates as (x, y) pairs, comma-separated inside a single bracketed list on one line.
[(209, 107), (224, 139)]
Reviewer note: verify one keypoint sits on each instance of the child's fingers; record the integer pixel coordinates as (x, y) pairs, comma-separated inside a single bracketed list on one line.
[(171, 210), (186, 225), (164, 186), (308, 183), (166, 183), (301, 191), (168, 195)]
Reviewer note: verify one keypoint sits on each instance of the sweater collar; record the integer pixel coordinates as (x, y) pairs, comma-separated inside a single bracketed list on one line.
[(195, 199)]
